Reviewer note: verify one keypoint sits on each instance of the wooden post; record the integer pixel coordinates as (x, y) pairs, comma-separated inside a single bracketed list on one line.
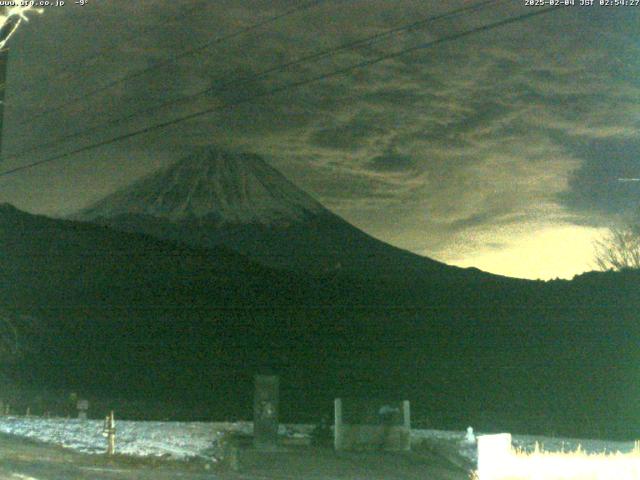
[(406, 414), (406, 417), (337, 424), (109, 431)]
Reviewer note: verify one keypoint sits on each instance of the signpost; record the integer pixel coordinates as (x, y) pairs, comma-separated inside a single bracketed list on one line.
[(265, 412), (82, 406)]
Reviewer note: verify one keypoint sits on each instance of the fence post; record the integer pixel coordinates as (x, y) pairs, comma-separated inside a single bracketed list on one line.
[(109, 431), (406, 416), (337, 424)]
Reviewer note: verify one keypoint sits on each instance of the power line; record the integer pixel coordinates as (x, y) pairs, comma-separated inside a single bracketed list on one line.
[(241, 80), (179, 56), (367, 63)]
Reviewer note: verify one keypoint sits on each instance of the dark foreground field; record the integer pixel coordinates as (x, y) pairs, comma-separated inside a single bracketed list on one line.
[(26, 460)]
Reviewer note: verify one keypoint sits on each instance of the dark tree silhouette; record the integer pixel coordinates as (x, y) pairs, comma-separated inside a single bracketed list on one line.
[(9, 338), (20, 335), (619, 249)]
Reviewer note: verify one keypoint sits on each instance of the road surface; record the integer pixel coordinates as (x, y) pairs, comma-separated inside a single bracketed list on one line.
[(26, 460)]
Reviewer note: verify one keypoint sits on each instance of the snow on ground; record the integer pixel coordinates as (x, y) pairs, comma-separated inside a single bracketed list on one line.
[(182, 440), (524, 442), (174, 439), (550, 444)]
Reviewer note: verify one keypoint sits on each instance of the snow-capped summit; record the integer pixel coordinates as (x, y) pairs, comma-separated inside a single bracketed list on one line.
[(214, 197), (227, 187)]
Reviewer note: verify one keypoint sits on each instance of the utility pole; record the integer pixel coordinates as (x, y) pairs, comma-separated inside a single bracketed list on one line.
[(10, 19), (6, 30), (4, 60)]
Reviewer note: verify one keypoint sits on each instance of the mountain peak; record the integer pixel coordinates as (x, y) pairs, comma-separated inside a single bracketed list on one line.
[(216, 197), (228, 187)]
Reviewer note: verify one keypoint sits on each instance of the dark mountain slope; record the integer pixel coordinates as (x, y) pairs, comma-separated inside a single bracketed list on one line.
[(132, 317), (47, 261)]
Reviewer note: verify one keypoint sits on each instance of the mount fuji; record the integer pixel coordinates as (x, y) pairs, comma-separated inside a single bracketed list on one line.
[(215, 186), (147, 282), (215, 197)]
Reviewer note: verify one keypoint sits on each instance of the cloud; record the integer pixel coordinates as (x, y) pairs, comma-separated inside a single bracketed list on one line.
[(391, 162), (430, 151), (350, 134), (597, 186)]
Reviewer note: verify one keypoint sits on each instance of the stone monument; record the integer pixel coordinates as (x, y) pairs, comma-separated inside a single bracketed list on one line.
[(365, 424), (83, 407)]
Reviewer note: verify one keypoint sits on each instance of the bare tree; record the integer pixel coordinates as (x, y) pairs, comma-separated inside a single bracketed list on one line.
[(9, 345), (19, 334), (9, 353), (619, 249)]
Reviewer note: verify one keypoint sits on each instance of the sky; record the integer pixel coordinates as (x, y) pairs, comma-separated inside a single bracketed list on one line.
[(510, 150)]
